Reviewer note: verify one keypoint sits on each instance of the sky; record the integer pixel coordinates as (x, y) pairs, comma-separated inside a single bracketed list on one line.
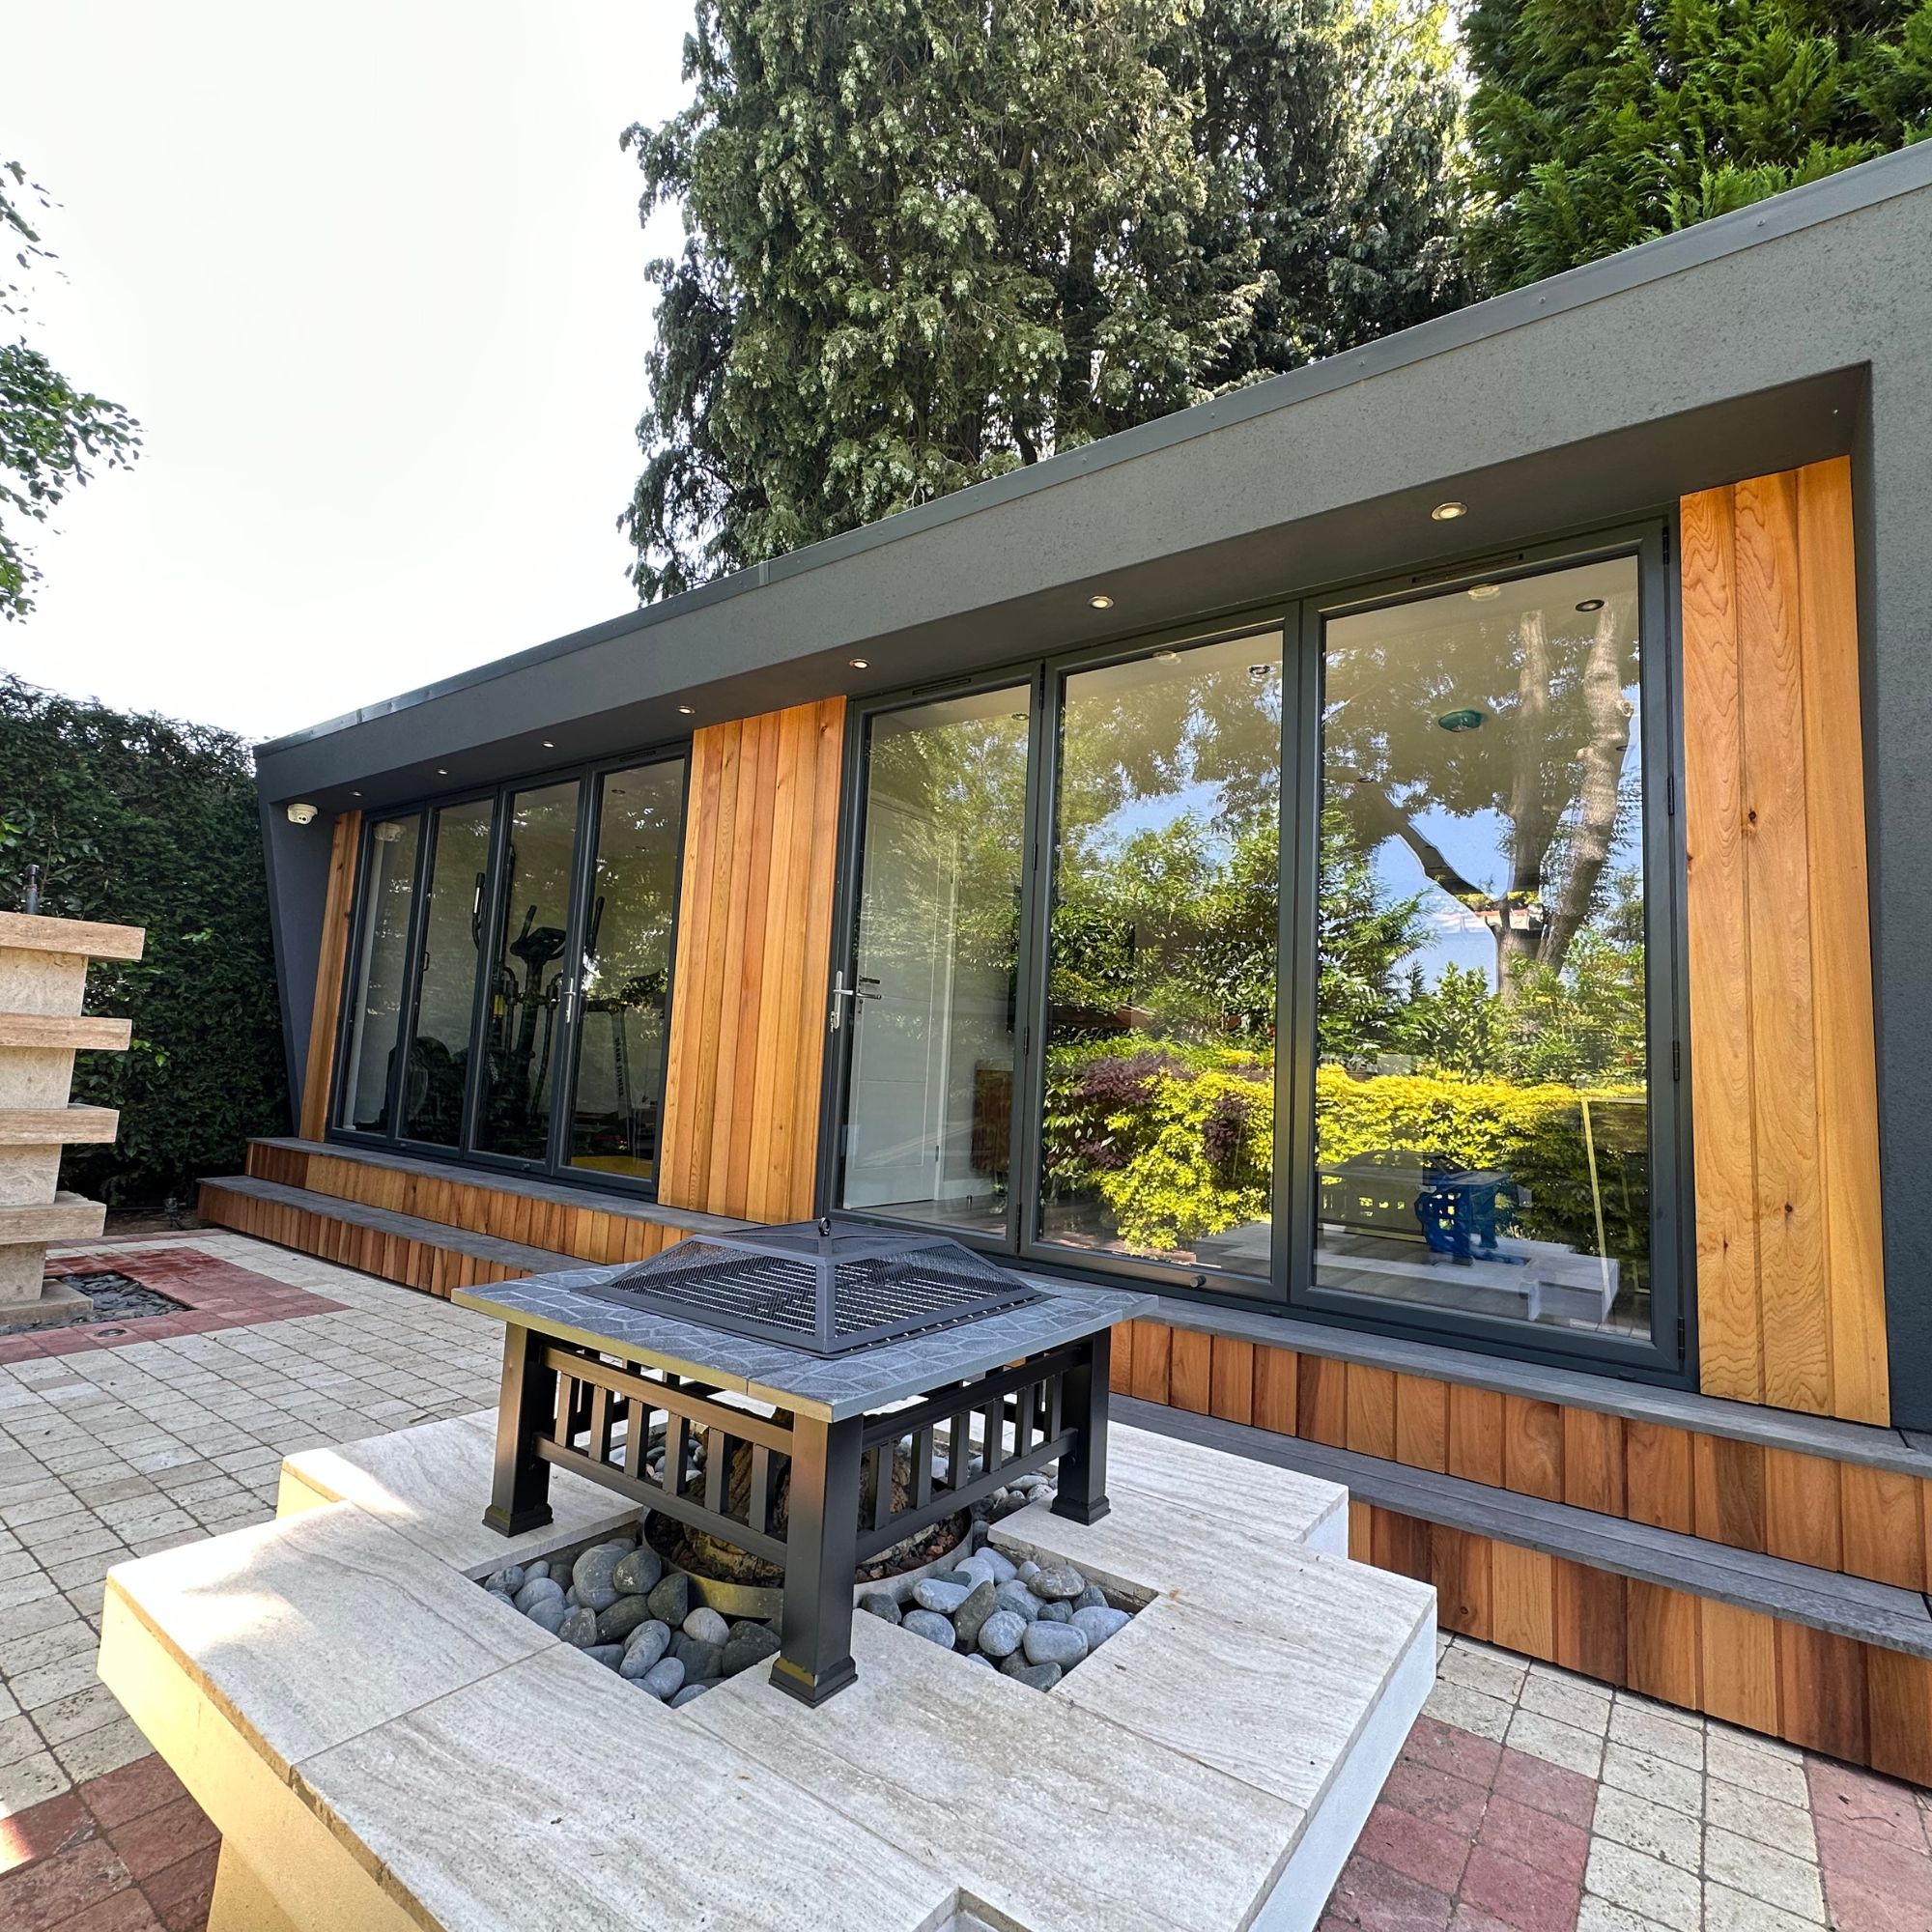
[(371, 278)]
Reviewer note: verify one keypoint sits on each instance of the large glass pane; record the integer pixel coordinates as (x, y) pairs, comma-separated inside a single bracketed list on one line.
[(1158, 1135), (1482, 1099), (446, 993), (930, 1096), (626, 971), (378, 975), (525, 998)]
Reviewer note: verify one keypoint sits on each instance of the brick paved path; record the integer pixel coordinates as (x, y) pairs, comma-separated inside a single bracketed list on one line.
[(1525, 1798)]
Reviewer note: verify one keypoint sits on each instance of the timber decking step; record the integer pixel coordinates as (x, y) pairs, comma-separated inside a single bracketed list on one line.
[(532, 1187), (514, 1255), (1849, 1606), (1903, 1451)]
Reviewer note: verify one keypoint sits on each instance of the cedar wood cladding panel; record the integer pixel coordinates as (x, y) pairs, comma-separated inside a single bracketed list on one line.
[(1829, 1693), (1836, 1516), (753, 938), (1790, 1276), (1855, 1700), (330, 962)]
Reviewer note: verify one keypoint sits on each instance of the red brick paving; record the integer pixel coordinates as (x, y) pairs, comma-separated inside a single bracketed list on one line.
[(1873, 1851), (130, 1852), (1497, 1844), (1468, 1836), (217, 1294)]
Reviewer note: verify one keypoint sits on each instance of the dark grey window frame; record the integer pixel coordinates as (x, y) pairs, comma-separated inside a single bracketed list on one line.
[(1669, 1356), (466, 1155)]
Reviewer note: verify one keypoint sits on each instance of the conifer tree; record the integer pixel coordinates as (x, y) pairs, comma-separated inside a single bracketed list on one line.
[(1598, 124), (930, 241)]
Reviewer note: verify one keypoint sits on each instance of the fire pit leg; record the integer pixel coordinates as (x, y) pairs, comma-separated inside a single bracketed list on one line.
[(1083, 1469), (525, 1407), (814, 1660)]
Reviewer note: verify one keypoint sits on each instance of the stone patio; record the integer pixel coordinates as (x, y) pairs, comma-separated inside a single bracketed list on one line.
[(1525, 1798)]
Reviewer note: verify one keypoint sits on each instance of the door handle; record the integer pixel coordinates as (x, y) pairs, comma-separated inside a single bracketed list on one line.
[(859, 992)]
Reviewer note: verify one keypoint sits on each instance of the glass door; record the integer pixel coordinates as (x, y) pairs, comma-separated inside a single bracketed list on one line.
[(621, 1000), (436, 1075), (380, 968), (1158, 1076), (1493, 903), (510, 974), (928, 1001), (529, 1001)]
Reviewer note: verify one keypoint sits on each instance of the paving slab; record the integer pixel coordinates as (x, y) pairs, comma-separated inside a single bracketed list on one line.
[(1280, 1692), (611, 1810), (310, 1629), (425, 1485), (1054, 1822)]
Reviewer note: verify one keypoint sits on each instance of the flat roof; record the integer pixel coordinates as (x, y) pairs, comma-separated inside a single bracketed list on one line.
[(1307, 480)]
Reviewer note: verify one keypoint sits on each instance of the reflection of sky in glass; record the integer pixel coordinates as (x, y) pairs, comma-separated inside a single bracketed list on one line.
[(1198, 797), (1180, 796), (1477, 843)]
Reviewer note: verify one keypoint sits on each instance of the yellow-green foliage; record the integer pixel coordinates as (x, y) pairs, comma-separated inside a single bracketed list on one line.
[(1173, 1190), (1474, 1122), (1178, 1142)]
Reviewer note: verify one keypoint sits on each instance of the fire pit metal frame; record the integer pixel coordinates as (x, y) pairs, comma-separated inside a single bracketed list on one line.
[(562, 1402)]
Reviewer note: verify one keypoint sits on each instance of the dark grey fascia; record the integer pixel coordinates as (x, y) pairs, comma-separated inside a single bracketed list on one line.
[(1294, 483)]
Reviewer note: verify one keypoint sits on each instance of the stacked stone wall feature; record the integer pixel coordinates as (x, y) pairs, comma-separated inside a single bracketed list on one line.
[(43, 989)]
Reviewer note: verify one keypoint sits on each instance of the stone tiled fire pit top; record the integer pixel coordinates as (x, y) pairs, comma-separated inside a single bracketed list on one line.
[(385, 1746), (808, 1384)]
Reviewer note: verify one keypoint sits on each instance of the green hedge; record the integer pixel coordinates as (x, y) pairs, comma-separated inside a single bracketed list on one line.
[(1178, 1141), (141, 820)]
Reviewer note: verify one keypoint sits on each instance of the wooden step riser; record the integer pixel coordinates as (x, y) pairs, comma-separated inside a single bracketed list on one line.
[(1845, 1516), (590, 1234), (1852, 1701), (420, 1265)]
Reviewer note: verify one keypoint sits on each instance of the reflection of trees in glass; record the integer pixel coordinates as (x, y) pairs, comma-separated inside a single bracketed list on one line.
[(1158, 1122), (627, 935), (1547, 758), (1494, 743), (1160, 1058), (963, 780), (1166, 889), (1583, 1024)]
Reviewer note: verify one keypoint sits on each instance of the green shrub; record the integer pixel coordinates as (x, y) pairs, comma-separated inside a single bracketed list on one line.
[(140, 820), (1533, 1134), (1178, 1140)]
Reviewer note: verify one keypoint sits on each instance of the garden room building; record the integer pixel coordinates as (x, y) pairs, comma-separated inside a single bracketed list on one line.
[(1420, 863)]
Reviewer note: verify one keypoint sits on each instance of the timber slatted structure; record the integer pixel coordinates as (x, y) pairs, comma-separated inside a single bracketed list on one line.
[(1740, 1520), (747, 1037), (1790, 1272)]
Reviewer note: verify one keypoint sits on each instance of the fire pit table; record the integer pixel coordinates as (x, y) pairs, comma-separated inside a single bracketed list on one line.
[(857, 1341)]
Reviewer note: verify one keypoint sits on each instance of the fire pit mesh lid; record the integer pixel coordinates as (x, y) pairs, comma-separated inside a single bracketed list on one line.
[(824, 1286)]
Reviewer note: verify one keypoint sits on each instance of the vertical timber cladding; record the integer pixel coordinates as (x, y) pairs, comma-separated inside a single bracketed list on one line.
[(1790, 1274), (329, 965), (1852, 1701), (754, 943)]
